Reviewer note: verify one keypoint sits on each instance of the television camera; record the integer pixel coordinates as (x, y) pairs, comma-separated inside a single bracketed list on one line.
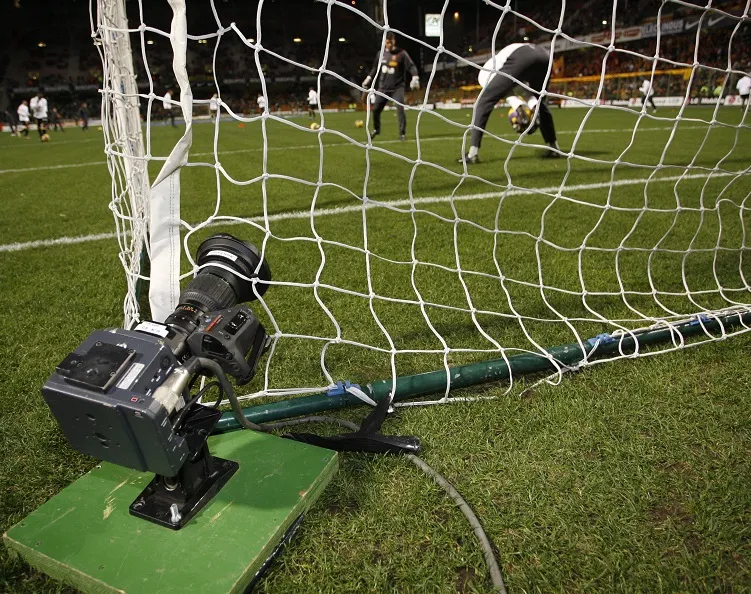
[(124, 395)]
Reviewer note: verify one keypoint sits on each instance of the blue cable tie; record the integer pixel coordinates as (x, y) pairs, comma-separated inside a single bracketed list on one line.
[(604, 338), (700, 317), (341, 388)]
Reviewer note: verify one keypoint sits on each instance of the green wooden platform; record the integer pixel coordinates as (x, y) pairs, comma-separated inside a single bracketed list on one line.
[(85, 536)]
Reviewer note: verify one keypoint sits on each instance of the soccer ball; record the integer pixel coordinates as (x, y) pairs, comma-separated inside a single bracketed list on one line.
[(359, 123), (315, 126), (45, 137), (520, 118)]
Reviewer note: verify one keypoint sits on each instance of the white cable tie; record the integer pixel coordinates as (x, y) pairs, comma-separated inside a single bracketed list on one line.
[(357, 392)]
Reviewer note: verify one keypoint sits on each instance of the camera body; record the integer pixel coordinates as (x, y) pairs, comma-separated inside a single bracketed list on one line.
[(105, 394), (102, 395)]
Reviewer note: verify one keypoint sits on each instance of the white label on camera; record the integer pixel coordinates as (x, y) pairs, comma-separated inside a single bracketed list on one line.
[(153, 328), (222, 254), (130, 376)]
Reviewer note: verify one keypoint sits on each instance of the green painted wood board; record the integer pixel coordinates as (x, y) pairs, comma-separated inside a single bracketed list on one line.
[(85, 536)]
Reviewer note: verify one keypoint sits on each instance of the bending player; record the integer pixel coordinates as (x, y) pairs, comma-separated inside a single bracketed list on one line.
[(526, 63), (389, 70)]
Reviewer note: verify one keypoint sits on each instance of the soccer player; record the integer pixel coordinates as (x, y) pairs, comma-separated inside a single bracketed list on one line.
[(56, 121), (167, 105), (213, 107), (261, 102), (10, 117), (388, 74), (312, 102), (524, 62), (743, 87), (23, 117), (39, 110), (83, 114), (647, 91)]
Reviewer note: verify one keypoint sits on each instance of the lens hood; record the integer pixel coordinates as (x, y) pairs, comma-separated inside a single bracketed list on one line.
[(240, 256)]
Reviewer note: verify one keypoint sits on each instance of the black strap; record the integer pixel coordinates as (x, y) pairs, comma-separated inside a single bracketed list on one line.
[(365, 439)]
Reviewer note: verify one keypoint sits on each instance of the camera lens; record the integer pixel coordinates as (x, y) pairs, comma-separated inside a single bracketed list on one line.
[(222, 258)]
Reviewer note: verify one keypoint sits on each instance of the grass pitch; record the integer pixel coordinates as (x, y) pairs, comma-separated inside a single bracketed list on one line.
[(630, 476)]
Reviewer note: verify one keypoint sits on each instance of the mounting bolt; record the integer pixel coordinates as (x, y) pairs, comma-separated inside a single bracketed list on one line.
[(175, 514)]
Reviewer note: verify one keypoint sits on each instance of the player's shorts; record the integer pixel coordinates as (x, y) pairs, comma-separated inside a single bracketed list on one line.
[(528, 63), (313, 105)]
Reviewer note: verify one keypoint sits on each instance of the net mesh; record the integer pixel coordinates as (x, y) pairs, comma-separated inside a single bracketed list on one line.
[(390, 258)]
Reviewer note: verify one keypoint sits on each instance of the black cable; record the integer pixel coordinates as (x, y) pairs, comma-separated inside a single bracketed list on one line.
[(487, 548), (193, 380), (200, 375), (237, 410), (495, 573)]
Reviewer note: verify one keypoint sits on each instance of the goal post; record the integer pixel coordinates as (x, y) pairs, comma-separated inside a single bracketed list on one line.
[(398, 272), (124, 145)]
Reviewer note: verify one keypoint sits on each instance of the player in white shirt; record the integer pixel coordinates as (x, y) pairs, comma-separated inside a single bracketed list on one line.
[(214, 106), (39, 112), (312, 102), (524, 62), (167, 105), (261, 102), (23, 117), (743, 86), (647, 91)]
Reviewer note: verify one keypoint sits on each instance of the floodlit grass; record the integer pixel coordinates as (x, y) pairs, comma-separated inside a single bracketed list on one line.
[(630, 476)]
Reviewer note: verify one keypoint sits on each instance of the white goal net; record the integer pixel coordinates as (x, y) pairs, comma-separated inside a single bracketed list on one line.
[(388, 256)]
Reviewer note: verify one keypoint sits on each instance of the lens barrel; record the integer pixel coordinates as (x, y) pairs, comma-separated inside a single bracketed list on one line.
[(226, 257)]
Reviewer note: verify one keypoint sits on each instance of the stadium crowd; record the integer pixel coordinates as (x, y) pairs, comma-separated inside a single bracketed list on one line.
[(69, 69)]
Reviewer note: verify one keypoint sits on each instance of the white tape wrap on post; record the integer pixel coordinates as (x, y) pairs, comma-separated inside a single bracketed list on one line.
[(164, 220)]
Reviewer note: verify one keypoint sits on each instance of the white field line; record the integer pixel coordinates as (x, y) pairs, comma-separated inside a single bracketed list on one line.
[(305, 214), (19, 145), (46, 167), (340, 144)]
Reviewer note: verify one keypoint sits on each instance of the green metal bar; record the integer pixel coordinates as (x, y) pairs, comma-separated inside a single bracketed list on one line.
[(463, 376)]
